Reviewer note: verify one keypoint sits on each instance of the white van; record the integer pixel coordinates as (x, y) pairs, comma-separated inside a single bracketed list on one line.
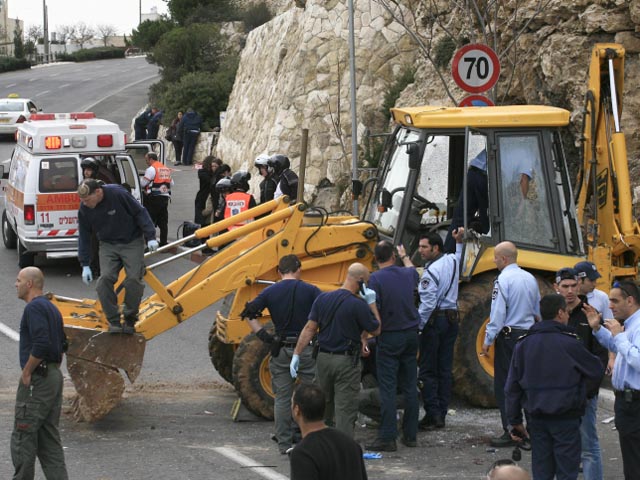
[(41, 202)]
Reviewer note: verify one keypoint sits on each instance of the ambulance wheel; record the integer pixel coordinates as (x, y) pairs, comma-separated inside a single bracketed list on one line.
[(8, 235), (25, 259), (251, 376)]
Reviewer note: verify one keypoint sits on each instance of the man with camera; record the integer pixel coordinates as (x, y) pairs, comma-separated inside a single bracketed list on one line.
[(342, 320), (550, 374), (289, 302)]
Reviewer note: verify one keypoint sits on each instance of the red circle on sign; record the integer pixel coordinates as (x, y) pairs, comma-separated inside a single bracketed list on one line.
[(481, 69), (474, 100)]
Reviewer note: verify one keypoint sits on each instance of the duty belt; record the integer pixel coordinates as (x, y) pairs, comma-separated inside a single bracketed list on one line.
[(342, 352), (507, 331), (628, 394)]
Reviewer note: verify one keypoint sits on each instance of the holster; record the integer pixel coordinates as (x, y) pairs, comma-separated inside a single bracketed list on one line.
[(316, 349), (42, 370), (276, 345)]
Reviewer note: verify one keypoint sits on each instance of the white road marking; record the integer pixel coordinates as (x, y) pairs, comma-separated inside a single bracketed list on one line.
[(9, 332), (11, 85), (64, 86), (246, 462), (89, 107), (42, 93), (33, 79)]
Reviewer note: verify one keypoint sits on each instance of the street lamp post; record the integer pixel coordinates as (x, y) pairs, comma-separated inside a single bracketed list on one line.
[(45, 33)]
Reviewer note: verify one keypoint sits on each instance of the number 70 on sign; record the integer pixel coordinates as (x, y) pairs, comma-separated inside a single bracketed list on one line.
[(475, 68)]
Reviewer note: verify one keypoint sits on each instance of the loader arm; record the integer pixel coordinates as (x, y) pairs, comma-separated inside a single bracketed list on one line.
[(326, 245), (604, 201)]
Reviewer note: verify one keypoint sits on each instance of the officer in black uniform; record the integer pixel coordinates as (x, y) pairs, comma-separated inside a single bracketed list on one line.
[(550, 373), (39, 397), (289, 302)]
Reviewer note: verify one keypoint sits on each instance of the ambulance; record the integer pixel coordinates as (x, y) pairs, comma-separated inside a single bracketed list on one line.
[(41, 203)]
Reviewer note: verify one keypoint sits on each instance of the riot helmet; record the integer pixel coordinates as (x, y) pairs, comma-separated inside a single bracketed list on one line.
[(223, 185), (262, 160), (240, 181), (279, 163)]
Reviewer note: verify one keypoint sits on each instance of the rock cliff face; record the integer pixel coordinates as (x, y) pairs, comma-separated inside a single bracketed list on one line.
[(294, 74)]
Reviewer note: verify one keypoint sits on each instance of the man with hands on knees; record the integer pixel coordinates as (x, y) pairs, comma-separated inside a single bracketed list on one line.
[(343, 321), (621, 336), (289, 302), (121, 225)]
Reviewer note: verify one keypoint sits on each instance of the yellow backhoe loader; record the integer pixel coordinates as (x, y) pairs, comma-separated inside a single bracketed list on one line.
[(418, 183)]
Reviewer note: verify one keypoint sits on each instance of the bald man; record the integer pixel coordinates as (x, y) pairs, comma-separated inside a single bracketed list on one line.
[(508, 472), (515, 305), (342, 319), (39, 397)]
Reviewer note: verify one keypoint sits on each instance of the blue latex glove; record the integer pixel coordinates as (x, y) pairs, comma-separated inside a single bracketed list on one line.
[(87, 276), (369, 295), (293, 367), (152, 245)]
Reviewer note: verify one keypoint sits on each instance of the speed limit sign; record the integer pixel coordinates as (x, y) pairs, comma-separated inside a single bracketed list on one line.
[(475, 68)]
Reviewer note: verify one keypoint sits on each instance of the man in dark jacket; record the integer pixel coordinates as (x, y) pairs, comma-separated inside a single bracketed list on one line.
[(550, 375), (189, 129)]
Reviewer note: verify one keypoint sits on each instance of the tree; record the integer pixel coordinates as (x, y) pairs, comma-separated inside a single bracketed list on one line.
[(82, 34), (66, 33), (149, 32), (439, 28), (34, 33), (186, 12), (105, 31), (196, 48), (18, 43)]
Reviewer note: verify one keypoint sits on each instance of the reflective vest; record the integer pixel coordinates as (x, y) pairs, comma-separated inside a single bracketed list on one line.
[(161, 183), (236, 202)]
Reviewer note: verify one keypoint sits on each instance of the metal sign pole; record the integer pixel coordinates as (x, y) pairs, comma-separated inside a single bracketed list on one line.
[(354, 119)]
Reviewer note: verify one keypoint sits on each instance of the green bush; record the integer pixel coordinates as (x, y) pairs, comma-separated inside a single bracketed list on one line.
[(444, 50), (256, 15), (206, 92), (8, 64), (102, 53), (407, 77)]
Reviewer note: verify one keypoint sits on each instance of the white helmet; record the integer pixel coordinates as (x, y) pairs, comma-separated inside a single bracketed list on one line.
[(261, 160)]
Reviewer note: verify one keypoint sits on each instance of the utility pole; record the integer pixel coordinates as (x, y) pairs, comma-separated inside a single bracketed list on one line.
[(45, 31), (354, 117), (140, 12)]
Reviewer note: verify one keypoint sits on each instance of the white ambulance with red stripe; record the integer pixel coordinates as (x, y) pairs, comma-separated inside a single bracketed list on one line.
[(41, 202)]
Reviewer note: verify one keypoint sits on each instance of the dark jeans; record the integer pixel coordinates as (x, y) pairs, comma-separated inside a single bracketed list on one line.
[(177, 146), (436, 364), (555, 448), (397, 368), (158, 208), (477, 202), (628, 426), (189, 145)]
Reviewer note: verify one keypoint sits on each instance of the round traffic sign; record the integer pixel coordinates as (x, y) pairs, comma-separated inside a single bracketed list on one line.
[(476, 101), (475, 68)]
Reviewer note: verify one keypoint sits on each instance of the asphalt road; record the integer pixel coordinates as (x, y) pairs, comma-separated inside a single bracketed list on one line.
[(174, 422)]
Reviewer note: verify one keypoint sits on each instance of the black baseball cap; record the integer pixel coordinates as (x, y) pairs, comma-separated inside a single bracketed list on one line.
[(588, 270), (566, 274)]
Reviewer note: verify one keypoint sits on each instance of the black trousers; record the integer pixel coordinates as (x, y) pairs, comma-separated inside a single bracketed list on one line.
[(501, 362), (628, 426), (158, 208)]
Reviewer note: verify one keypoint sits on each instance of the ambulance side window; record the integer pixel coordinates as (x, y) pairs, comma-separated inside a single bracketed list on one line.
[(58, 175)]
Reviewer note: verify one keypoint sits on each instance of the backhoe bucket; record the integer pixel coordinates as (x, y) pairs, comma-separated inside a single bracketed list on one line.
[(94, 359)]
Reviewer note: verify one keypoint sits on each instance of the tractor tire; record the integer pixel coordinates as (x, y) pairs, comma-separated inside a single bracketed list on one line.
[(473, 374), (251, 376), (9, 237), (221, 355)]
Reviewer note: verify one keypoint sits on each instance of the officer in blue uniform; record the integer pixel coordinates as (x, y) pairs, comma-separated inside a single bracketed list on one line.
[(289, 302), (438, 290), (477, 201), (342, 320), (515, 306), (550, 374), (622, 336), (397, 345)]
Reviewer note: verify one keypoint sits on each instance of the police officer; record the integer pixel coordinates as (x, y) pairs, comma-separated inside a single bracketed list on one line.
[(549, 375), (157, 193), (438, 290), (269, 181), (39, 397), (397, 345), (287, 178), (622, 336), (238, 200), (289, 302), (587, 276), (342, 319), (477, 201), (515, 306)]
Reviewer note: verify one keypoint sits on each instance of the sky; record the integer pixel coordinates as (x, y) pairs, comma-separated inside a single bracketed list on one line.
[(122, 14)]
